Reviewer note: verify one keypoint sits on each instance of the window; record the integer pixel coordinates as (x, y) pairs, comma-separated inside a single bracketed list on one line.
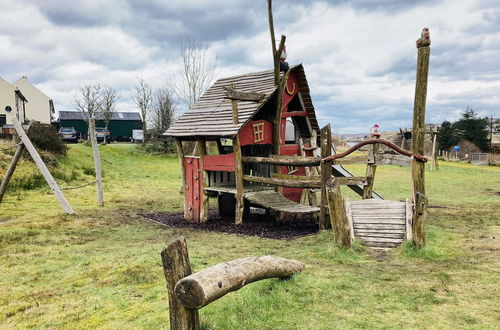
[(3, 120), (258, 132), (120, 115)]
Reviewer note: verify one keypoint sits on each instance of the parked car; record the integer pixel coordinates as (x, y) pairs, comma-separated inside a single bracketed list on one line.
[(68, 134), (101, 133)]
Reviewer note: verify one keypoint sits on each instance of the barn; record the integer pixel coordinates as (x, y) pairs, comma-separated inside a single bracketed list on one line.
[(120, 126)]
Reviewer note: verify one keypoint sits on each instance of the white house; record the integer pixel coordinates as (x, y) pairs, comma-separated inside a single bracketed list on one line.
[(12, 103), (39, 107)]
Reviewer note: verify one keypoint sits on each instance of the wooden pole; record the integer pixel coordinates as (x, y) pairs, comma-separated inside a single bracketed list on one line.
[(10, 170), (326, 173), (340, 223), (238, 174), (180, 155), (41, 165), (370, 172), (418, 168), (278, 114), (434, 164), (273, 39), (202, 148), (97, 162), (176, 266), (200, 289)]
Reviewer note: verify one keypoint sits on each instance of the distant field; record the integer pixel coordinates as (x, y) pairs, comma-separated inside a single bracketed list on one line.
[(102, 269)]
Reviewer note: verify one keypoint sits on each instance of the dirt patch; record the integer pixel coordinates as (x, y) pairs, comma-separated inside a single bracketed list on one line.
[(492, 192), (260, 225)]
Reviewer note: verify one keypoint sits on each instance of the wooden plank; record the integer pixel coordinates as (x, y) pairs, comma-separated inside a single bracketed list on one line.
[(97, 162), (408, 218), (382, 239), (273, 200), (303, 183), (379, 226), (294, 114), (235, 94), (176, 266), (41, 165)]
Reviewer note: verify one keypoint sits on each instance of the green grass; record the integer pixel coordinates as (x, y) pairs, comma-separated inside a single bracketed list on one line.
[(101, 268)]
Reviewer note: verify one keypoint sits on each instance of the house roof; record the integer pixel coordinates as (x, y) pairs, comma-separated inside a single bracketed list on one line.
[(211, 115), (77, 115)]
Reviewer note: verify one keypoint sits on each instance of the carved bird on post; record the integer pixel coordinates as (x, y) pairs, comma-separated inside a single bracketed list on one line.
[(424, 39)]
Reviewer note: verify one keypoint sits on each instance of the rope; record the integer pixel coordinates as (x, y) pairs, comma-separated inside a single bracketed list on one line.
[(78, 187), (12, 147)]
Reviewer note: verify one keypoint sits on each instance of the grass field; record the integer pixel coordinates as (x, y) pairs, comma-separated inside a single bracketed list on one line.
[(101, 268)]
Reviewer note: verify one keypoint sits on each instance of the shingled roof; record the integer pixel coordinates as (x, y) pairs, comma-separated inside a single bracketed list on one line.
[(212, 114)]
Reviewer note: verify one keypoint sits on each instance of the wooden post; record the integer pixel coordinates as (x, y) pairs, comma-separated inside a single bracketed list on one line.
[(41, 165), (371, 168), (234, 108), (97, 162), (338, 217), (176, 266), (434, 163), (10, 170), (326, 173), (418, 168), (202, 148), (238, 174), (180, 155), (278, 114)]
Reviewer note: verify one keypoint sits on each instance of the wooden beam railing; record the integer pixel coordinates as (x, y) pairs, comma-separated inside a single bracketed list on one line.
[(417, 157), (301, 182), (283, 160)]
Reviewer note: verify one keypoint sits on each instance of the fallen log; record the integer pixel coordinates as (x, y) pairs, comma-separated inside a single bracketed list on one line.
[(199, 289)]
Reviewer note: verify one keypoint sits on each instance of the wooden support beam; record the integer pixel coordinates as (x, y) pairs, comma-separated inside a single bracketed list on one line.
[(97, 162), (418, 134), (338, 217), (233, 94), (202, 148), (294, 114), (238, 174), (278, 113), (176, 266), (370, 172), (295, 183), (326, 173), (283, 160), (201, 288), (41, 165), (10, 170)]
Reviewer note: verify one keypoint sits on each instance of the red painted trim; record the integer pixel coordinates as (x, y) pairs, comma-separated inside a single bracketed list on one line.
[(294, 114), (223, 163)]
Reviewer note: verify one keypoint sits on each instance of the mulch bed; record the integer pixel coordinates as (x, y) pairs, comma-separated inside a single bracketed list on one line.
[(260, 225)]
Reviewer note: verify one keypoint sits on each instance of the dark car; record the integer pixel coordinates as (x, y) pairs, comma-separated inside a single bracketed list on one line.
[(101, 133), (68, 134)]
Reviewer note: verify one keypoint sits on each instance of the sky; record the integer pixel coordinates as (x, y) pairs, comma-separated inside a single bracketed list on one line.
[(359, 55)]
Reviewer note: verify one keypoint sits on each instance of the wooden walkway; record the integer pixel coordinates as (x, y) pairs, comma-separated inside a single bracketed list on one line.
[(272, 200), (379, 223)]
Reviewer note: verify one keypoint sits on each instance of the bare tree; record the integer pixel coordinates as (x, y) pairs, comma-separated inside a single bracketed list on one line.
[(88, 101), (109, 96), (163, 114), (144, 100), (197, 66)]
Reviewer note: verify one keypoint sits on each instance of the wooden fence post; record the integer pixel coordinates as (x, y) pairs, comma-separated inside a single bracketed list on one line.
[(370, 172), (418, 168), (10, 170), (202, 148), (326, 173), (97, 162), (238, 175), (340, 223), (176, 265), (41, 166)]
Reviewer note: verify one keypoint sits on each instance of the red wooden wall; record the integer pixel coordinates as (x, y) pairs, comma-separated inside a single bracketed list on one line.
[(192, 197)]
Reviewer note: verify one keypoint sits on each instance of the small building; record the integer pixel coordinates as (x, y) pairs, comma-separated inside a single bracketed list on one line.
[(40, 107), (120, 126)]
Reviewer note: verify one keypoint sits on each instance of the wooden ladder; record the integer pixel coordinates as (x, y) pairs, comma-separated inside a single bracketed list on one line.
[(380, 223)]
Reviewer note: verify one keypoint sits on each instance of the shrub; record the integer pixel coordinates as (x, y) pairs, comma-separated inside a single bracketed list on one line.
[(161, 145), (45, 137)]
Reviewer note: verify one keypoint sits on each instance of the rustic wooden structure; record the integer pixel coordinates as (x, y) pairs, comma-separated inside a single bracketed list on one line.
[(189, 292)]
